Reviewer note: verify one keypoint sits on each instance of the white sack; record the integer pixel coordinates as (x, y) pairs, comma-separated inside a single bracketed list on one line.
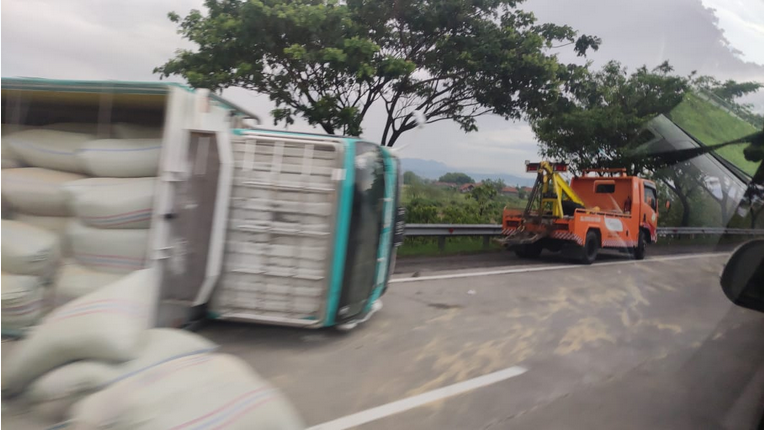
[(55, 224), (22, 302), (121, 158), (37, 191), (200, 391), (8, 154), (74, 281), (74, 127), (11, 163), (121, 203), (123, 130), (108, 250), (53, 394), (107, 325), (28, 250), (51, 149)]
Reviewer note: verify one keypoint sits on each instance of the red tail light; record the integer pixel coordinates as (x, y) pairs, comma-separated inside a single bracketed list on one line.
[(532, 167), (560, 167)]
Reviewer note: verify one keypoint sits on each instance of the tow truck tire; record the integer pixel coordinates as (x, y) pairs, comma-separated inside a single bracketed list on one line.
[(529, 251), (591, 248), (639, 250)]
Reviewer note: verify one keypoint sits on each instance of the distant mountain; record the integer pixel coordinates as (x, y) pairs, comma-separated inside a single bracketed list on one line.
[(425, 168), (431, 169)]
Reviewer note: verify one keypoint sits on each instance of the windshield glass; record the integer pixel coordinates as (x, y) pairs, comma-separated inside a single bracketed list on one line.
[(405, 214), (365, 229)]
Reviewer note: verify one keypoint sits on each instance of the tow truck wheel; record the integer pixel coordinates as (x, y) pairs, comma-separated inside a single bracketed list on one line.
[(591, 248), (639, 251), (532, 250)]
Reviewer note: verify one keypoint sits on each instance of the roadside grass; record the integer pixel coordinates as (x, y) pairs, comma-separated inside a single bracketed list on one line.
[(426, 247), (712, 125), (413, 247)]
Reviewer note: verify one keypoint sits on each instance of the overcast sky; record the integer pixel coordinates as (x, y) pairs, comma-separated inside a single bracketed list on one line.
[(126, 39)]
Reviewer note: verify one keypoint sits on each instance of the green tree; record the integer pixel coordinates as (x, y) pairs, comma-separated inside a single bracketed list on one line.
[(497, 184), (329, 61), (684, 182), (728, 90), (484, 195), (456, 178), (411, 178), (601, 114), (520, 192)]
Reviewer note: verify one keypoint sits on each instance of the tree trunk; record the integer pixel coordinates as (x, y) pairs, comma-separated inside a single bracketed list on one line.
[(683, 199), (755, 215), (685, 210)]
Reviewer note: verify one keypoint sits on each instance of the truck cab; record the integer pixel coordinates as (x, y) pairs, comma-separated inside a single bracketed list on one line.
[(615, 192), (243, 223)]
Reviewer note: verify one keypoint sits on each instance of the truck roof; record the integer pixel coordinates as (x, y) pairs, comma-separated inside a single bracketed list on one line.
[(113, 87), (144, 88), (130, 87)]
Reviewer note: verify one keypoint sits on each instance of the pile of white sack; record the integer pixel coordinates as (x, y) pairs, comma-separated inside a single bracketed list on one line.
[(76, 218), (87, 201), (96, 363)]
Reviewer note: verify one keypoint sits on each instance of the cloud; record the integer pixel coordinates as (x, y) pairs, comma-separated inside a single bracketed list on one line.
[(126, 39), (743, 23)]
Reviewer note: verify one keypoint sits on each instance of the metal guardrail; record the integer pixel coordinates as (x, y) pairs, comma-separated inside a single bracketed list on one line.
[(443, 231), (670, 231), (447, 230)]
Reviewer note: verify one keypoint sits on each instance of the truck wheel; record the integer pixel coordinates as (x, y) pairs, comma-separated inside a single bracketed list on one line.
[(639, 251), (591, 248), (529, 251)]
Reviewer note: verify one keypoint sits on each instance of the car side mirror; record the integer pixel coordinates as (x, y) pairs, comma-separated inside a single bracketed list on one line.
[(743, 277)]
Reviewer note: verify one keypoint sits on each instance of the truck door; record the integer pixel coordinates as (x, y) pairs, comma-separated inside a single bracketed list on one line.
[(649, 219), (366, 223)]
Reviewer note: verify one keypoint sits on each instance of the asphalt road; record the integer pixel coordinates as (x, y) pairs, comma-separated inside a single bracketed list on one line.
[(620, 344), (500, 258)]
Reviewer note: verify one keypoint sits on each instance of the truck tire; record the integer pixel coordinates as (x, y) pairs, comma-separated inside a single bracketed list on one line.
[(591, 248), (639, 250), (532, 250)]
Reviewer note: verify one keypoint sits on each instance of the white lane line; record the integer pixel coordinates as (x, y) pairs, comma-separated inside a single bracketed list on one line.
[(546, 268), (403, 405)]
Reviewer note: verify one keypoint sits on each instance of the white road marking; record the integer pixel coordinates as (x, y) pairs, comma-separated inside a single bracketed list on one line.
[(526, 269), (408, 403)]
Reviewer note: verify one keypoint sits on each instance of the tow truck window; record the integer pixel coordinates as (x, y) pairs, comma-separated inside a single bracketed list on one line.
[(651, 197), (604, 188)]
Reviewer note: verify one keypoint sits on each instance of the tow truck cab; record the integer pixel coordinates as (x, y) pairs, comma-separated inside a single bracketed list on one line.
[(617, 193)]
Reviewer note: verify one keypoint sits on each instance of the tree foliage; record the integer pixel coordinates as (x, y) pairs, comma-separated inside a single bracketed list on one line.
[(483, 194), (329, 61), (456, 178), (411, 178), (599, 117), (728, 90), (521, 192)]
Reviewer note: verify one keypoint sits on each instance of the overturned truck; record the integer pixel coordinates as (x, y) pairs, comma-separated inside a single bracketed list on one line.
[(241, 223)]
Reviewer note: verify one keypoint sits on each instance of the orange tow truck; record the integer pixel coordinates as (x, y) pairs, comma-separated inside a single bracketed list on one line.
[(602, 208)]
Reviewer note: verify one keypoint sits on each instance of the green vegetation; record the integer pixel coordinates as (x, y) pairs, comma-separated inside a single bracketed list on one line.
[(710, 125), (329, 61), (427, 203), (597, 123), (455, 245), (456, 178)]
